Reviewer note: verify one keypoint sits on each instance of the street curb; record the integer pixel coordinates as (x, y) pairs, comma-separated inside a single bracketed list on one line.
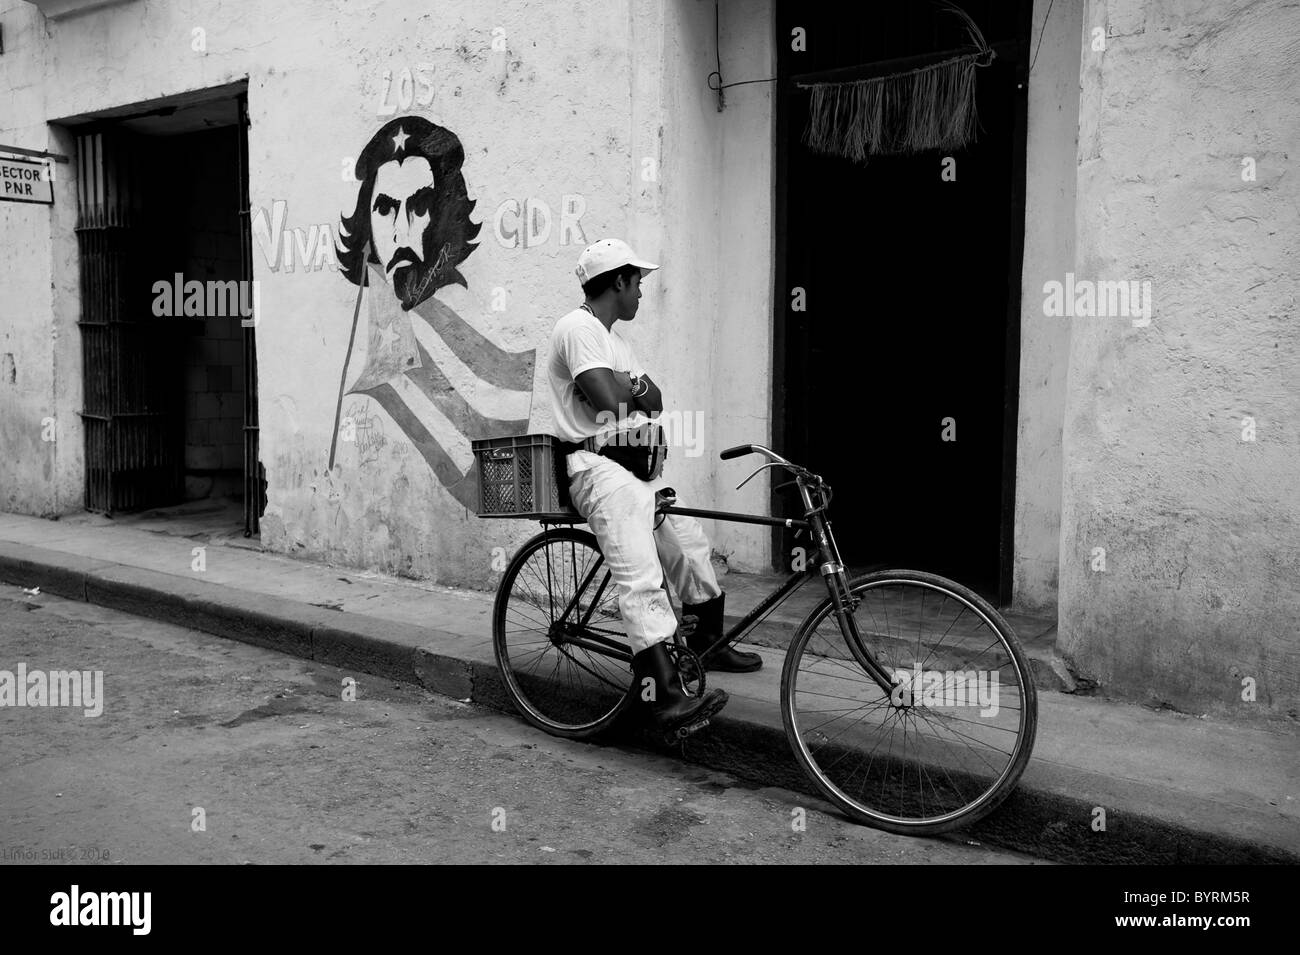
[(1035, 821)]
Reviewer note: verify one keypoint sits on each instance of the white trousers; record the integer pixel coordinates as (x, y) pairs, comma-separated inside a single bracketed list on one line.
[(620, 510)]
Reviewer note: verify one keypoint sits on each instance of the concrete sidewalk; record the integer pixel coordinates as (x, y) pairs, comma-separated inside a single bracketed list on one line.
[(1175, 788)]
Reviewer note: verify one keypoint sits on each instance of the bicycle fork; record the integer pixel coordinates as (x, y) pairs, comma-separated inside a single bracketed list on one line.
[(837, 583)]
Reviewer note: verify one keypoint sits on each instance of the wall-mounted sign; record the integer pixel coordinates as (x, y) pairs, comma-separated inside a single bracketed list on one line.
[(22, 180)]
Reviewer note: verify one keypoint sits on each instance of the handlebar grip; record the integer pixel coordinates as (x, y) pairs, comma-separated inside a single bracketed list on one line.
[(739, 450)]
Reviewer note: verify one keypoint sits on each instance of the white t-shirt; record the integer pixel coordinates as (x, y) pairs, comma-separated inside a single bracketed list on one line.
[(579, 343)]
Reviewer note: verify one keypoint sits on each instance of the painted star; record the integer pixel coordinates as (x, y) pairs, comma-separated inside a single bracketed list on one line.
[(399, 141), (387, 335)]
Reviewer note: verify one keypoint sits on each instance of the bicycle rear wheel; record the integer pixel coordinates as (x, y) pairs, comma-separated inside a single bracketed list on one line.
[(568, 674), (949, 742)]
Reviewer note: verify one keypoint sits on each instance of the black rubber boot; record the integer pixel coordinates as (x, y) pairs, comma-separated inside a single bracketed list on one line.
[(666, 706), (708, 627)]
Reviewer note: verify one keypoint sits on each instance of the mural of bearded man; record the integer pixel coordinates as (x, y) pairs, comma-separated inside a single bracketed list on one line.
[(412, 209), (440, 379)]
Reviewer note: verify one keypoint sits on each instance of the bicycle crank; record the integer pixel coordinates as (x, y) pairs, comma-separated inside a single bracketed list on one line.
[(690, 669)]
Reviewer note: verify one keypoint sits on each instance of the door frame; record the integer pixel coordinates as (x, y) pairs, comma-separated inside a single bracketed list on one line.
[(115, 121), (789, 329)]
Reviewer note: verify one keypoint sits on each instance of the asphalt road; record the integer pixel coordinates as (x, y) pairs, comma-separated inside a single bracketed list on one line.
[(211, 751)]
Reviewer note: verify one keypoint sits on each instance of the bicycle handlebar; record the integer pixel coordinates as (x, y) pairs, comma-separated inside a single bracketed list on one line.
[(743, 449), (802, 474)]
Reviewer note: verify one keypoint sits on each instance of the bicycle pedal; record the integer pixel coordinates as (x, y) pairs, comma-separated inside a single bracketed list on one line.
[(685, 732)]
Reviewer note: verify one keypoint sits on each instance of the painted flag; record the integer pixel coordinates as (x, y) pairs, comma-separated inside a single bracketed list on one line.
[(442, 382)]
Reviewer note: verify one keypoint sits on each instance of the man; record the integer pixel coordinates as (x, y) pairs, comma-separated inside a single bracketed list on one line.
[(601, 394)]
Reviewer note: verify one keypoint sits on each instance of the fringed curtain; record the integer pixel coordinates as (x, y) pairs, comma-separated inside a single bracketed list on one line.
[(898, 107)]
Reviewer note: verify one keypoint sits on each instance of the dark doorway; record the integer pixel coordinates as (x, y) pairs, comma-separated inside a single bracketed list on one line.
[(195, 234), (163, 196), (910, 334)]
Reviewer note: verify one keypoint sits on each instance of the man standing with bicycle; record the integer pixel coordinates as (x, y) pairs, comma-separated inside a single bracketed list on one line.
[(605, 405)]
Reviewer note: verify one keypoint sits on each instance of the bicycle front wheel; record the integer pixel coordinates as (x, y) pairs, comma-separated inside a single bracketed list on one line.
[(559, 638), (948, 742)]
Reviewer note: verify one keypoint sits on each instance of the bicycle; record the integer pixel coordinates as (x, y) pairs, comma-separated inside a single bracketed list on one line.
[(961, 743)]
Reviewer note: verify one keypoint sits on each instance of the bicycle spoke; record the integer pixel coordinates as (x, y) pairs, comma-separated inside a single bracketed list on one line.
[(578, 663)]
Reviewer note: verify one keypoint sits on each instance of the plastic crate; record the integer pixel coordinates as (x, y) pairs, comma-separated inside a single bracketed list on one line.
[(522, 476)]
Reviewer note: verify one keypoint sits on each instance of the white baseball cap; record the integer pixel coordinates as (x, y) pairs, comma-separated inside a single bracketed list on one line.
[(606, 256)]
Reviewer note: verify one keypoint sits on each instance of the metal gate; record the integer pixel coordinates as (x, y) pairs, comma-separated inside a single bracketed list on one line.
[(131, 414)]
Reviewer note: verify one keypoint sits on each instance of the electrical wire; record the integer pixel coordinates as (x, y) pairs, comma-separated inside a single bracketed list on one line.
[(727, 86), (1046, 16), (717, 47)]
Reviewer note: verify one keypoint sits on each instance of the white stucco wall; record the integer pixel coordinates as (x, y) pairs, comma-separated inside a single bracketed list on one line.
[(1200, 528), (608, 103), (742, 359), (1051, 147), (718, 195), (556, 115), (40, 347)]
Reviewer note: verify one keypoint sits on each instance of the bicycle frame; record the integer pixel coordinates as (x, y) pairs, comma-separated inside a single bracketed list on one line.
[(601, 644), (825, 563)]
